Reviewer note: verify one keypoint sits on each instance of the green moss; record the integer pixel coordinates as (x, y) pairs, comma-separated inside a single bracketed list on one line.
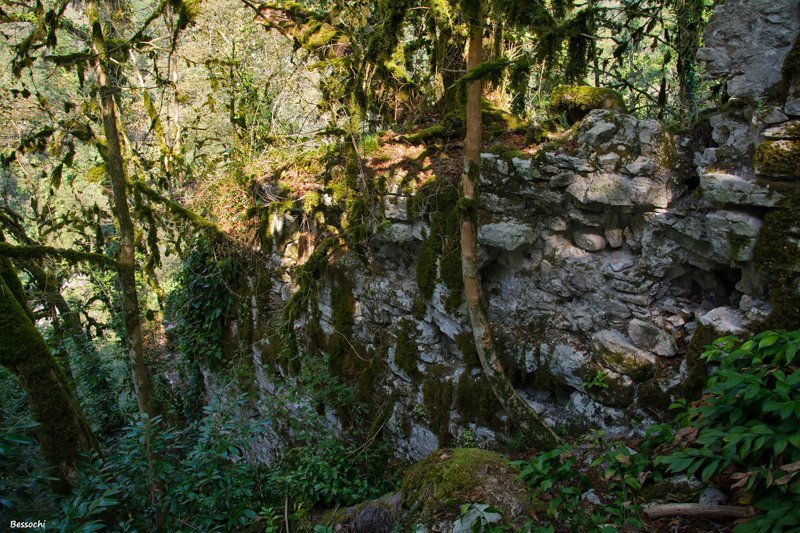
[(306, 277), (650, 396), (466, 343), (778, 158), (425, 134), (475, 400), (736, 242), (440, 255), (777, 250), (448, 477), (696, 368), (777, 256), (437, 394), (406, 353), (791, 66), (311, 202), (577, 101)]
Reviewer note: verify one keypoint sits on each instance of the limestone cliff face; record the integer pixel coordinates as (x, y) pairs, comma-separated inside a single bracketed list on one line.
[(603, 257)]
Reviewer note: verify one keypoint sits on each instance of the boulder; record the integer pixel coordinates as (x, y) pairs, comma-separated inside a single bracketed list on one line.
[(576, 102), (614, 351), (778, 158), (651, 338), (724, 321), (506, 235), (722, 188), (733, 234), (445, 479), (589, 240)]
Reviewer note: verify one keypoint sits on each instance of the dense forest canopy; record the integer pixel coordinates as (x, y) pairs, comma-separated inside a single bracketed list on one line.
[(180, 176)]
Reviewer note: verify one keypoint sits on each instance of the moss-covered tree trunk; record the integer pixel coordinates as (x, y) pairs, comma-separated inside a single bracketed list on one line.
[(689, 19), (518, 409), (119, 186), (63, 433)]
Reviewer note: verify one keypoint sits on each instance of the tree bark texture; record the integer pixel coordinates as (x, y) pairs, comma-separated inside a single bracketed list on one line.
[(63, 433), (515, 406), (119, 185)]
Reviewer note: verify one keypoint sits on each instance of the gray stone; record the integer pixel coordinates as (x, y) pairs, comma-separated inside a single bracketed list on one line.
[(398, 232), (506, 235), (711, 495), (724, 188), (591, 497), (748, 50), (648, 337), (589, 241), (773, 116), (599, 132), (614, 351), (615, 237), (792, 106), (724, 320), (787, 130), (609, 161), (566, 363), (733, 234), (421, 442), (395, 207)]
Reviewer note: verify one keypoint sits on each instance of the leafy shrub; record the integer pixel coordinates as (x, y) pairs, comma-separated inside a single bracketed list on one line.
[(749, 421), (201, 301)]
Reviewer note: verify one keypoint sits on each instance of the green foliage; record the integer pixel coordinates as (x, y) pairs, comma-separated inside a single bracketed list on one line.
[(596, 380), (749, 421), (557, 481), (202, 301), (24, 490), (329, 472), (207, 479), (440, 255)]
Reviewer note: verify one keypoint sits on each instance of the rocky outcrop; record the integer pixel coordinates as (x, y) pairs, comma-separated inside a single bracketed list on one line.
[(601, 256)]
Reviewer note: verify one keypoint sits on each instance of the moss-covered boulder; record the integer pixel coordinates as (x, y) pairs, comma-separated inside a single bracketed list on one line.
[(440, 483), (778, 158), (576, 101)]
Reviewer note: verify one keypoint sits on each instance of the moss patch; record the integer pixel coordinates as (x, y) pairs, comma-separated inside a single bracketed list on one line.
[(437, 394), (696, 368), (447, 478), (777, 256), (406, 353), (577, 101), (469, 354), (475, 400), (440, 255), (778, 158)]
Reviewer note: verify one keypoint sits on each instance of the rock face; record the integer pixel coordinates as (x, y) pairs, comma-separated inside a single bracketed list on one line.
[(744, 42), (600, 257)]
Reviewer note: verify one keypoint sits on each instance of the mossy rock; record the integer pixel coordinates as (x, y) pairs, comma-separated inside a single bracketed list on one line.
[(576, 101), (778, 158), (445, 479)]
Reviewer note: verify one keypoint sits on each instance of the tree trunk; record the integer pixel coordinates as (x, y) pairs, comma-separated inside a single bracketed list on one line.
[(689, 20), (517, 408), (119, 184), (64, 433)]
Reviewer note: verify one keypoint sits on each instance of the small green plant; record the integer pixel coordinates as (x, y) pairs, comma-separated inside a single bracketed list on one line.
[(465, 438), (479, 518), (596, 380), (749, 422)]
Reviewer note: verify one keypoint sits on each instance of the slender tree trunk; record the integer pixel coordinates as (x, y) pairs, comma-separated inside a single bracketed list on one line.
[(689, 17), (119, 184), (64, 435), (517, 408)]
